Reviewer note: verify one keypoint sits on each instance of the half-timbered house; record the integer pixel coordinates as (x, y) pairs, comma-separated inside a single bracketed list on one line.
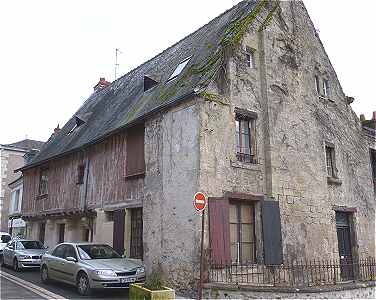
[(247, 109)]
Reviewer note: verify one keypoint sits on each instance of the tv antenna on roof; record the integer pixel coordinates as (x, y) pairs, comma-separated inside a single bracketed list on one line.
[(117, 51)]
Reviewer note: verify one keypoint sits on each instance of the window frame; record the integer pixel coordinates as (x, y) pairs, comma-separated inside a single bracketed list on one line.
[(373, 166), (182, 65), (330, 157), (249, 118), (250, 57), (239, 224), (317, 85), (43, 181), (80, 174), (326, 88)]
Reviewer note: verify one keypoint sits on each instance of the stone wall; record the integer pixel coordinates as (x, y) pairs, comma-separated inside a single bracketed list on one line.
[(293, 125), (171, 225), (10, 160), (352, 292)]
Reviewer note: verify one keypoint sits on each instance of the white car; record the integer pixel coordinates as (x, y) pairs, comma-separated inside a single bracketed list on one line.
[(4, 239)]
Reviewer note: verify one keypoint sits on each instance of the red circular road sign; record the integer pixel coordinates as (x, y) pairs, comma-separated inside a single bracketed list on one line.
[(200, 201)]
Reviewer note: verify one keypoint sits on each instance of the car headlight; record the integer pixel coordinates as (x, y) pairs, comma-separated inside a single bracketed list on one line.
[(24, 257), (109, 273), (140, 270)]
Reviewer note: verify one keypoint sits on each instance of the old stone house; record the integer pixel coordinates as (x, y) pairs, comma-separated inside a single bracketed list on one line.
[(11, 158), (248, 109)]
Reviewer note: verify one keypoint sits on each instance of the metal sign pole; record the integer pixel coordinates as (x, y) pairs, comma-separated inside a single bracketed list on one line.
[(202, 255)]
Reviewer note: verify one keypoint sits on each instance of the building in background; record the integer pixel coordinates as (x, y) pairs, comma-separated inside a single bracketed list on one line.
[(16, 226), (12, 158)]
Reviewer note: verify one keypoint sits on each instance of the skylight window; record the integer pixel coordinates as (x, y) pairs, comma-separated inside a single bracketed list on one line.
[(179, 68)]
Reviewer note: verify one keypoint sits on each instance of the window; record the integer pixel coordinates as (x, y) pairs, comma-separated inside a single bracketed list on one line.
[(317, 84), (245, 138), (250, 56), (80, 174), (16, 200), (70, 252), (242, 232), (330, 161), (179, 69), (135, 161), (61, 232), (325, 86), (43, 182), (59, 251), (136, 244), (373, 165)]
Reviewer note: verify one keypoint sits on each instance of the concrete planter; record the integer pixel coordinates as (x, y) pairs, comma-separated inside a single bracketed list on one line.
[(138, 292)]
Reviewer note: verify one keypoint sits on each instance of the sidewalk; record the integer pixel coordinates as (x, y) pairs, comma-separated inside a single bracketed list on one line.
[(11, 290)]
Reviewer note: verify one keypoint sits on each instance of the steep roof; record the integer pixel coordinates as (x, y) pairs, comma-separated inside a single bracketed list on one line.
[(124, 102), (26, 144)]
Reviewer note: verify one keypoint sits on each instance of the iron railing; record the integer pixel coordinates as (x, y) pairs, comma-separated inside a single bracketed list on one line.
[(295, 273)]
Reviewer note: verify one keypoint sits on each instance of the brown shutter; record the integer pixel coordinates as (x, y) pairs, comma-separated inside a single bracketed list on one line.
[(219, 231), (135, 161), (118, 231)]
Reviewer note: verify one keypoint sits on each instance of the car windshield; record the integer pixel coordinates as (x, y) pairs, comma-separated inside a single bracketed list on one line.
[(97, 252), (24, 245)]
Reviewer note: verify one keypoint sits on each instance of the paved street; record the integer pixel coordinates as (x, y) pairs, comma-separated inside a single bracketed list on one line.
[(12, 290)]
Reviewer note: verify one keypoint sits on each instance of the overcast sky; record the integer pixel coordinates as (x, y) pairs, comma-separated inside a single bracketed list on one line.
[(52, 53)]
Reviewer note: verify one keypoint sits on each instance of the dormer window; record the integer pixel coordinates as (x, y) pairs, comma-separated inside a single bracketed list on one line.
[(149, 83), (179, 68), (79, 121)]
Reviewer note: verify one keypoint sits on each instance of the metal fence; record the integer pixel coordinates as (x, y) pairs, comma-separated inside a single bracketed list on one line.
[(295, 273)]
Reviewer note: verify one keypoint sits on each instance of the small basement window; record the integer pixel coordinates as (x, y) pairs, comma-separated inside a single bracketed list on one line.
[(179, 68)]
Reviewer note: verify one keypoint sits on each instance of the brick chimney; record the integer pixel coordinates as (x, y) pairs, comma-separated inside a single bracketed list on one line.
[(101, 84), (362, 118), (374, 116)]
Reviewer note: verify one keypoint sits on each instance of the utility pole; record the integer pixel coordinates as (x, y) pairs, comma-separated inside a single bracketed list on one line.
[(117, 51)]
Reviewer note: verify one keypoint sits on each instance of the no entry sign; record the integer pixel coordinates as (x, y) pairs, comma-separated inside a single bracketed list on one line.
[(200, 201)]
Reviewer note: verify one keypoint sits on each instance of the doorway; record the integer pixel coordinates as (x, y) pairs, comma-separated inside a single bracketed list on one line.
[(343, 226), (118, 232)]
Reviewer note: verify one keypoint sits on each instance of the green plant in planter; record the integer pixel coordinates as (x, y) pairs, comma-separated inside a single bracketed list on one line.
[(155, 281), (152, 289)]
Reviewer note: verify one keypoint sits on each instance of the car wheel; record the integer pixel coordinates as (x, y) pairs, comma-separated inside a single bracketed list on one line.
[(44, 275), (83, 286), (16, 266)]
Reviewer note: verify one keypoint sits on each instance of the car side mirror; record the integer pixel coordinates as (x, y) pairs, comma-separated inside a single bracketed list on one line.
[(71, 259)]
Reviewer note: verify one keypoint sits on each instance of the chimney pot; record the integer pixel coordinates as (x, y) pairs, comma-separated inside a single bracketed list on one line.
[(101, 84), (57, 129)]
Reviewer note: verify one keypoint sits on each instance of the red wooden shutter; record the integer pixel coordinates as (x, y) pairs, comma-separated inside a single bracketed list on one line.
[(118, 231), (219, 231), (135, 160)]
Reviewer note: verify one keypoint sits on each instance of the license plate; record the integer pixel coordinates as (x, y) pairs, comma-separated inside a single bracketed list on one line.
[(126, 280)]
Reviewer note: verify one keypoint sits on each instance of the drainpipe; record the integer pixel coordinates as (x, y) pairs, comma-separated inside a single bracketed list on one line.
[(264, 94)]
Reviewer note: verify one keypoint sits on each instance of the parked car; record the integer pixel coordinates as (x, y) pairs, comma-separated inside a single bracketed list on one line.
[(23, 254), (4, 239), (90, 266)]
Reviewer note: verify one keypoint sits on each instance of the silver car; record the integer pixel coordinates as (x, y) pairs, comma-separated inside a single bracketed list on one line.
[(90, 266), (22, 254)]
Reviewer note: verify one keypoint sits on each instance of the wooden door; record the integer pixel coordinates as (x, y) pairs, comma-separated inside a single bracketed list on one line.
[(118, 232), (344, 245)]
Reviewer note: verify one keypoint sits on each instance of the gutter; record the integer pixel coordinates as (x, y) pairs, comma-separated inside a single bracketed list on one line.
[(103, 137)]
